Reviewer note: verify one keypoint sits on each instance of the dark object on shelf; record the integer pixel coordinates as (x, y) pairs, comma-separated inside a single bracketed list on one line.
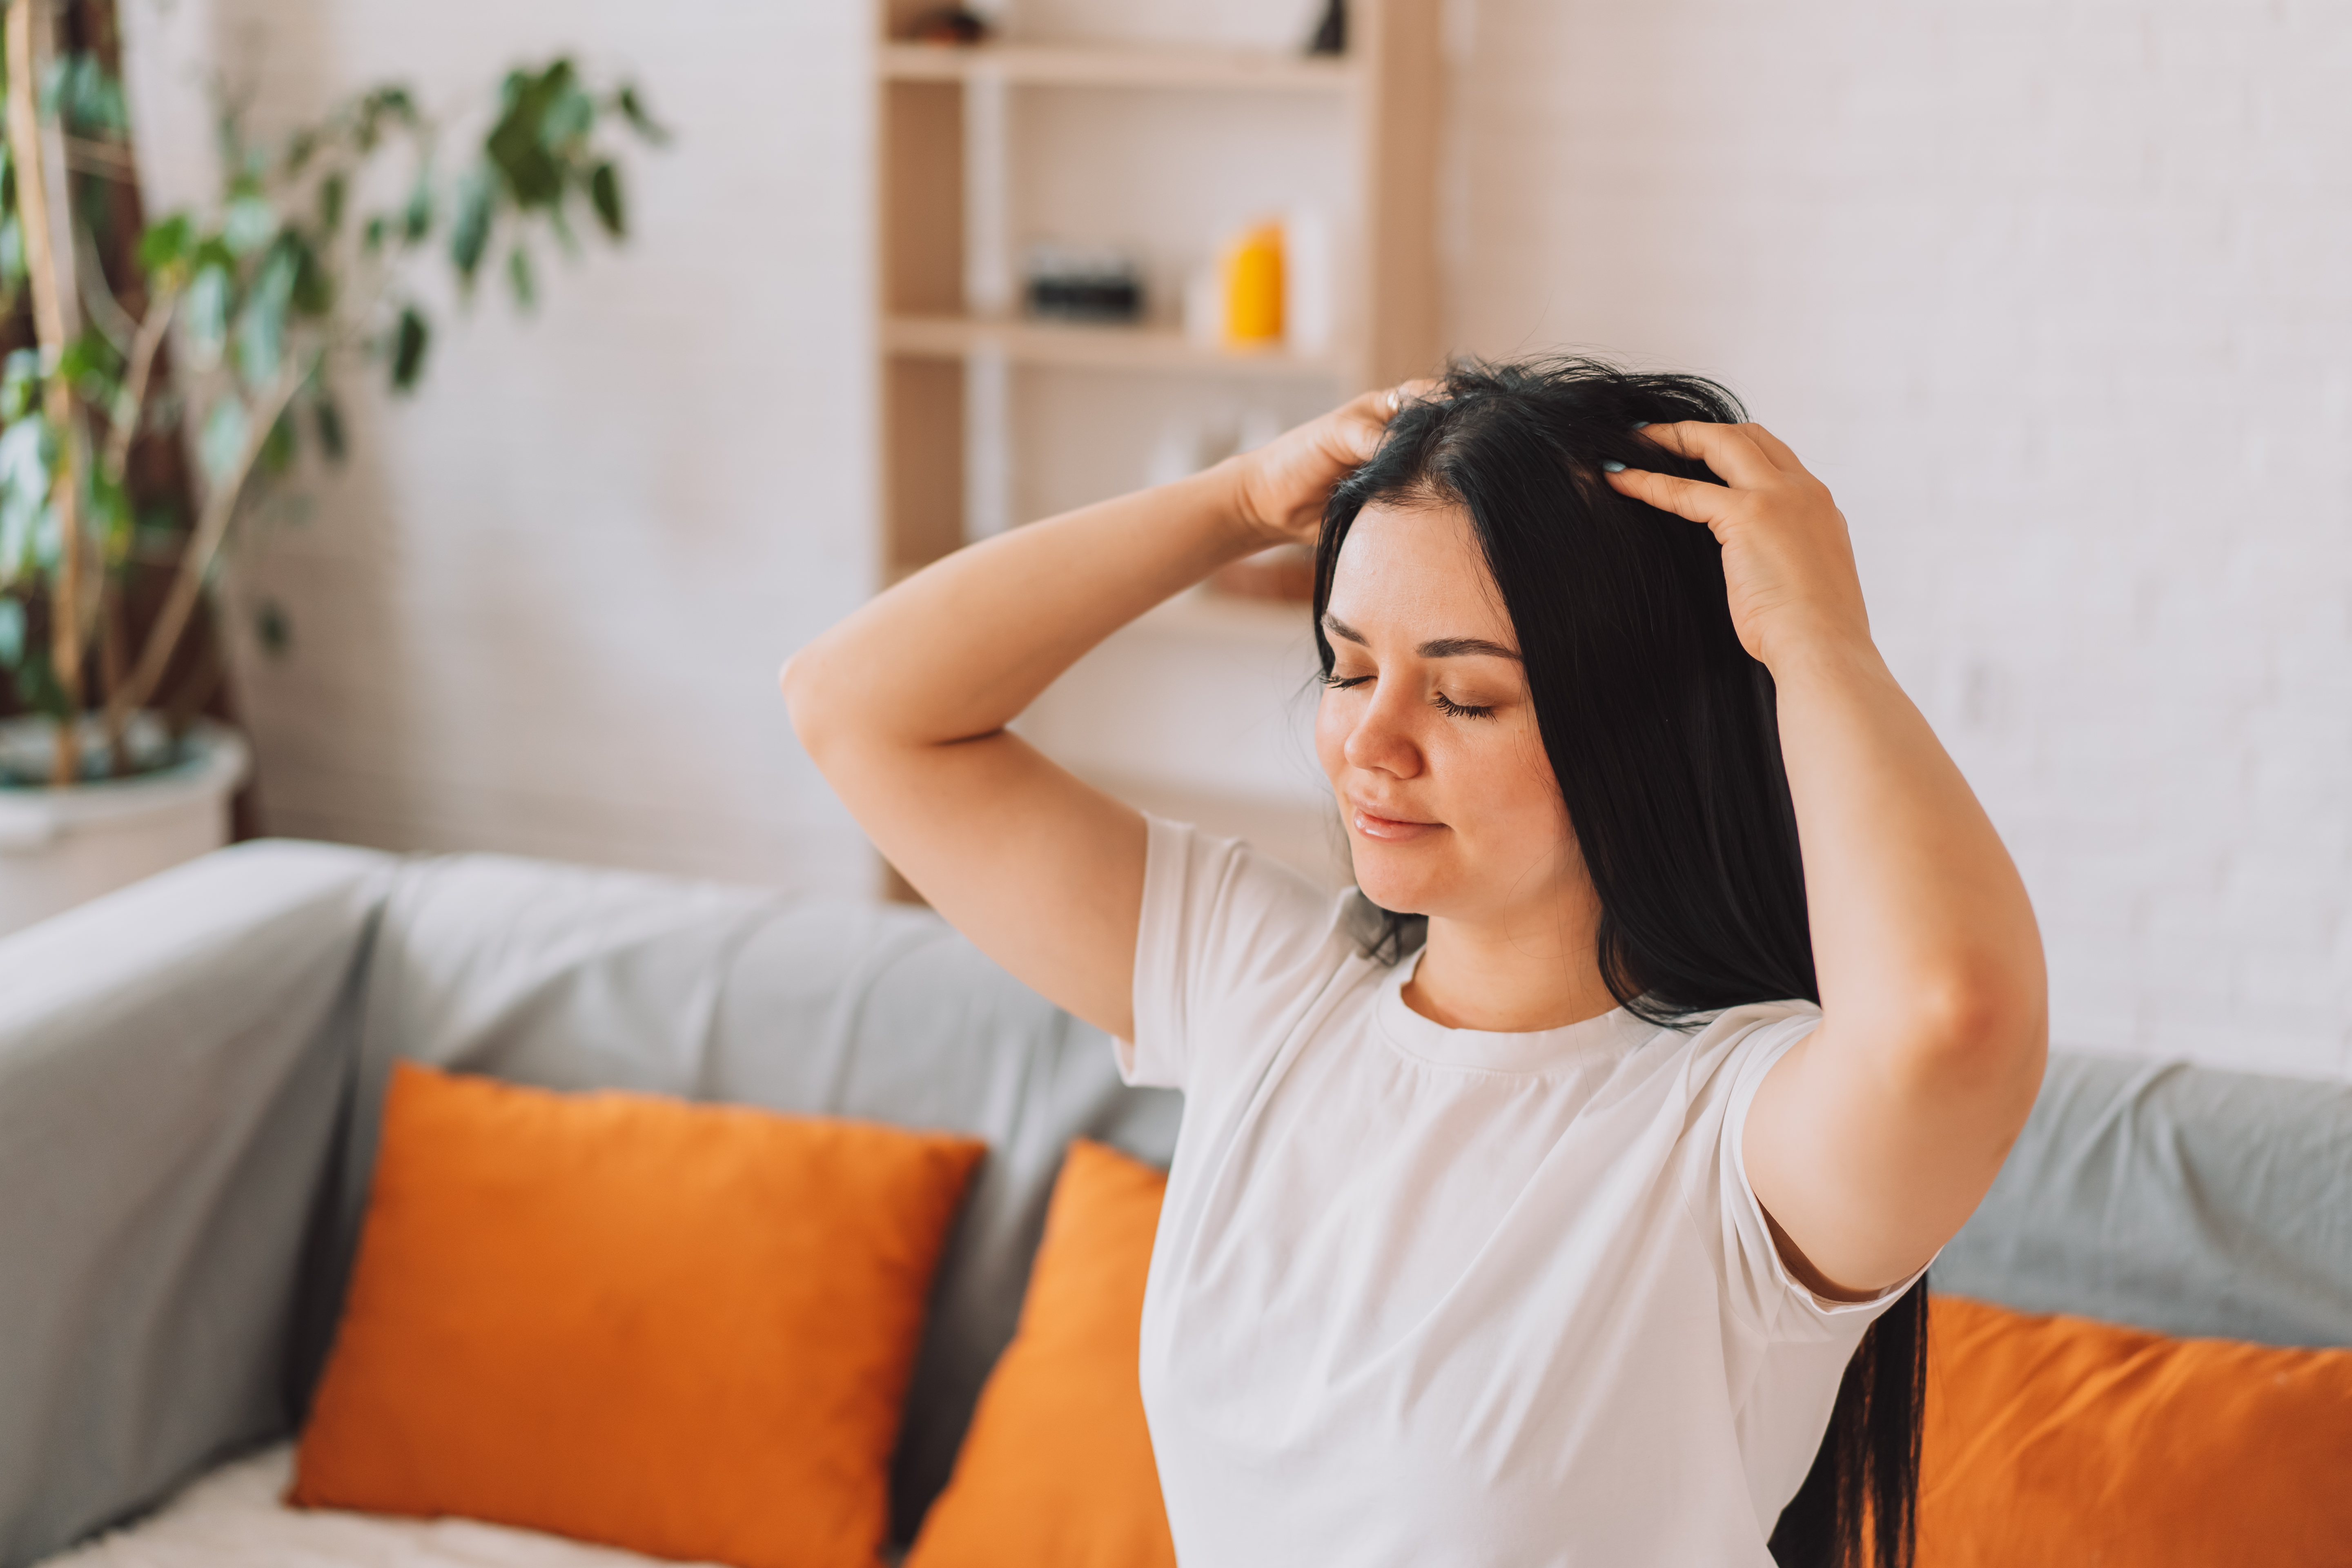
[(1083, 285), (950, 24), (1331, 32)]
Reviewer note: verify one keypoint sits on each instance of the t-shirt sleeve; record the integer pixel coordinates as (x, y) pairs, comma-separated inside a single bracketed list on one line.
[(1758, 1290), (1228, 940)]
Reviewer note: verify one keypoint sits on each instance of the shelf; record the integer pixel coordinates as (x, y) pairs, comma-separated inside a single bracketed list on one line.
[(1090, 347), (1116, 64), (1203, 612)]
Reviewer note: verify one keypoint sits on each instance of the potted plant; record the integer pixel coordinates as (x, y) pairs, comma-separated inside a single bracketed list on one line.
[(308, 267)]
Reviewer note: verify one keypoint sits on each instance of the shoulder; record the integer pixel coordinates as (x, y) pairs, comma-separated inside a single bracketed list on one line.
[(1725, 1053), (1233, 947), (1225, 902)]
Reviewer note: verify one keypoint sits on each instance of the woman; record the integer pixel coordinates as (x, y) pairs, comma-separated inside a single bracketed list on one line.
[(1543, 1227)]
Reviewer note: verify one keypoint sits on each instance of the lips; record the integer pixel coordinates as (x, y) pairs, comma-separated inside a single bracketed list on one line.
[(1389, 830)]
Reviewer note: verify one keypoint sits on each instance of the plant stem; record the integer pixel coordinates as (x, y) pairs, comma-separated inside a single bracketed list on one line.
[(54, 307), (145, 346), (113, 654), (119, 435), (196, 560)]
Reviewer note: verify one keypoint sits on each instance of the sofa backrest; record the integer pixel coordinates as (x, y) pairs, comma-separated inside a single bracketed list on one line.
[(2172, 1197), (572, 978), (170, 1070)]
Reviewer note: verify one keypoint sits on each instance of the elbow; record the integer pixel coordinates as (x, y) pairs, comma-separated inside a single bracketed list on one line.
[(807, 701), (1986, 1033)]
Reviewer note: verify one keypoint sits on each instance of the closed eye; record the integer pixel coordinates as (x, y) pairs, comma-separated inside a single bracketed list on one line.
[(1453, 709)]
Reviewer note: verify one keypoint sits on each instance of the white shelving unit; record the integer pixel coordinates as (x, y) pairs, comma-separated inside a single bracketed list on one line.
[(990, 419)]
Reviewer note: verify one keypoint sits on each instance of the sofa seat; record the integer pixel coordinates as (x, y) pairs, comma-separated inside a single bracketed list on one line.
[(232, 1518)]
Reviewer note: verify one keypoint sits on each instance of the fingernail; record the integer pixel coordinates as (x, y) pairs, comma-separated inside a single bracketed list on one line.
[(1641, 425), (1611, 466)]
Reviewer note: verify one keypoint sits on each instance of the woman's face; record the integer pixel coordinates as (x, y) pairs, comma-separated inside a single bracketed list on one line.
[(1426, 732)]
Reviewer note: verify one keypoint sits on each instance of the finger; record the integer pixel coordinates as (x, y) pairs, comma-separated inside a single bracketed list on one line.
[(1776, 450), (1728, 449), (1391, 400), (1693, 499)]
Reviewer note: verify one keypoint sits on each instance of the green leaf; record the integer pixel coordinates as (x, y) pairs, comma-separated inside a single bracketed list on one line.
[(331, 192), (272, 629), (261, 325), (604, 195), (470, 232), (249, 223), (314, 286), (28, 459), (26, 454), (205, 312), (165, 246), (570, 115), (633, 108), (38, 688), (326, 418), (222, 441), (51, 93), (88, 353), (519, 278), (12, 251), (417, 217), (534, 122), (81, 91), (372, 236), (409, 340), (392, 101), (20, 384), (277, 453), (107, 507), (12, 632)]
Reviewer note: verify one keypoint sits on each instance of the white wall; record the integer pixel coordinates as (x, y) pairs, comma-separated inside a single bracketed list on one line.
[(543, 608), (2058, 297)]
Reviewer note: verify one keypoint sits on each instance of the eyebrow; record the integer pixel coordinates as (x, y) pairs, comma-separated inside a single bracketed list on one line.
[(1436, 647)]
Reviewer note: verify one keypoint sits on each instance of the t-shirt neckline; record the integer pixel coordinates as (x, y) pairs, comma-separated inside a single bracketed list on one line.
[(1537, 1052)]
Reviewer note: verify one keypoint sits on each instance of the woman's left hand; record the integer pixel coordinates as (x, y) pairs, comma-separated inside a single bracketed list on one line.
[(1787, 563)]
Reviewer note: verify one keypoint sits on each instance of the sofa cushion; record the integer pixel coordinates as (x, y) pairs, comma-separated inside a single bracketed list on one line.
[(1057, 1470), (676, 1329), (2052, 1441), (569, 977)]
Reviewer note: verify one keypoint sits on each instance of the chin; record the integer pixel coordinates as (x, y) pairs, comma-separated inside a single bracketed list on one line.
[(1385, 875)]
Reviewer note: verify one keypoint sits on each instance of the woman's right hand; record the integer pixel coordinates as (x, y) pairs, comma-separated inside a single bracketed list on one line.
[(1281, 486)]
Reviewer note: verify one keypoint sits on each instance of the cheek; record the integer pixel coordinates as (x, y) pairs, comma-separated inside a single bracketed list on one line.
[(1504, 782), (1330, 734)]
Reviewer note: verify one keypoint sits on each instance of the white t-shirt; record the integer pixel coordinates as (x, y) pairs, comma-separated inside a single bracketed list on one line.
[(1426, 1295)]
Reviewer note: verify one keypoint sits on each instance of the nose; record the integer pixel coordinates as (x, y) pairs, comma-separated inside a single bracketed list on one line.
[(1381, 740)]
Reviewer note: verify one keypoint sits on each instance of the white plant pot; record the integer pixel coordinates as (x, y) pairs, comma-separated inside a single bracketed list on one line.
[(60, 847)]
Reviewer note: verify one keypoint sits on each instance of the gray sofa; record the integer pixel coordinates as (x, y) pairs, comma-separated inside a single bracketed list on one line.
[(190, 1072)]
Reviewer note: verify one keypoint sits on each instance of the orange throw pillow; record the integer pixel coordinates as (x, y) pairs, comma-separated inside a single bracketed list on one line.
[(682, 1329), (2059, 1441), (1057, 1471)]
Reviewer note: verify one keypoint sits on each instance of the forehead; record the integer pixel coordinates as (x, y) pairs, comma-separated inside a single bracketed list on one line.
[(1417, 571)]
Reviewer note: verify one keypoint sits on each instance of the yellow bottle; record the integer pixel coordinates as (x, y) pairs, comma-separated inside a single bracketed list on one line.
[(1253, 278)]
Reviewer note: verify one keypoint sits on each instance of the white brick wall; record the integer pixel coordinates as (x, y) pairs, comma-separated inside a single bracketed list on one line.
[(543, 609), (2058, 296)]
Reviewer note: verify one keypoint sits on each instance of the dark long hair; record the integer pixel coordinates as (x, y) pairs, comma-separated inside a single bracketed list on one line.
[(1663, 734)]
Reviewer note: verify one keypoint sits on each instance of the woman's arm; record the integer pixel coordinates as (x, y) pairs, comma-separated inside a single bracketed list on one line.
[(1871, 1142), (903, 705)]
